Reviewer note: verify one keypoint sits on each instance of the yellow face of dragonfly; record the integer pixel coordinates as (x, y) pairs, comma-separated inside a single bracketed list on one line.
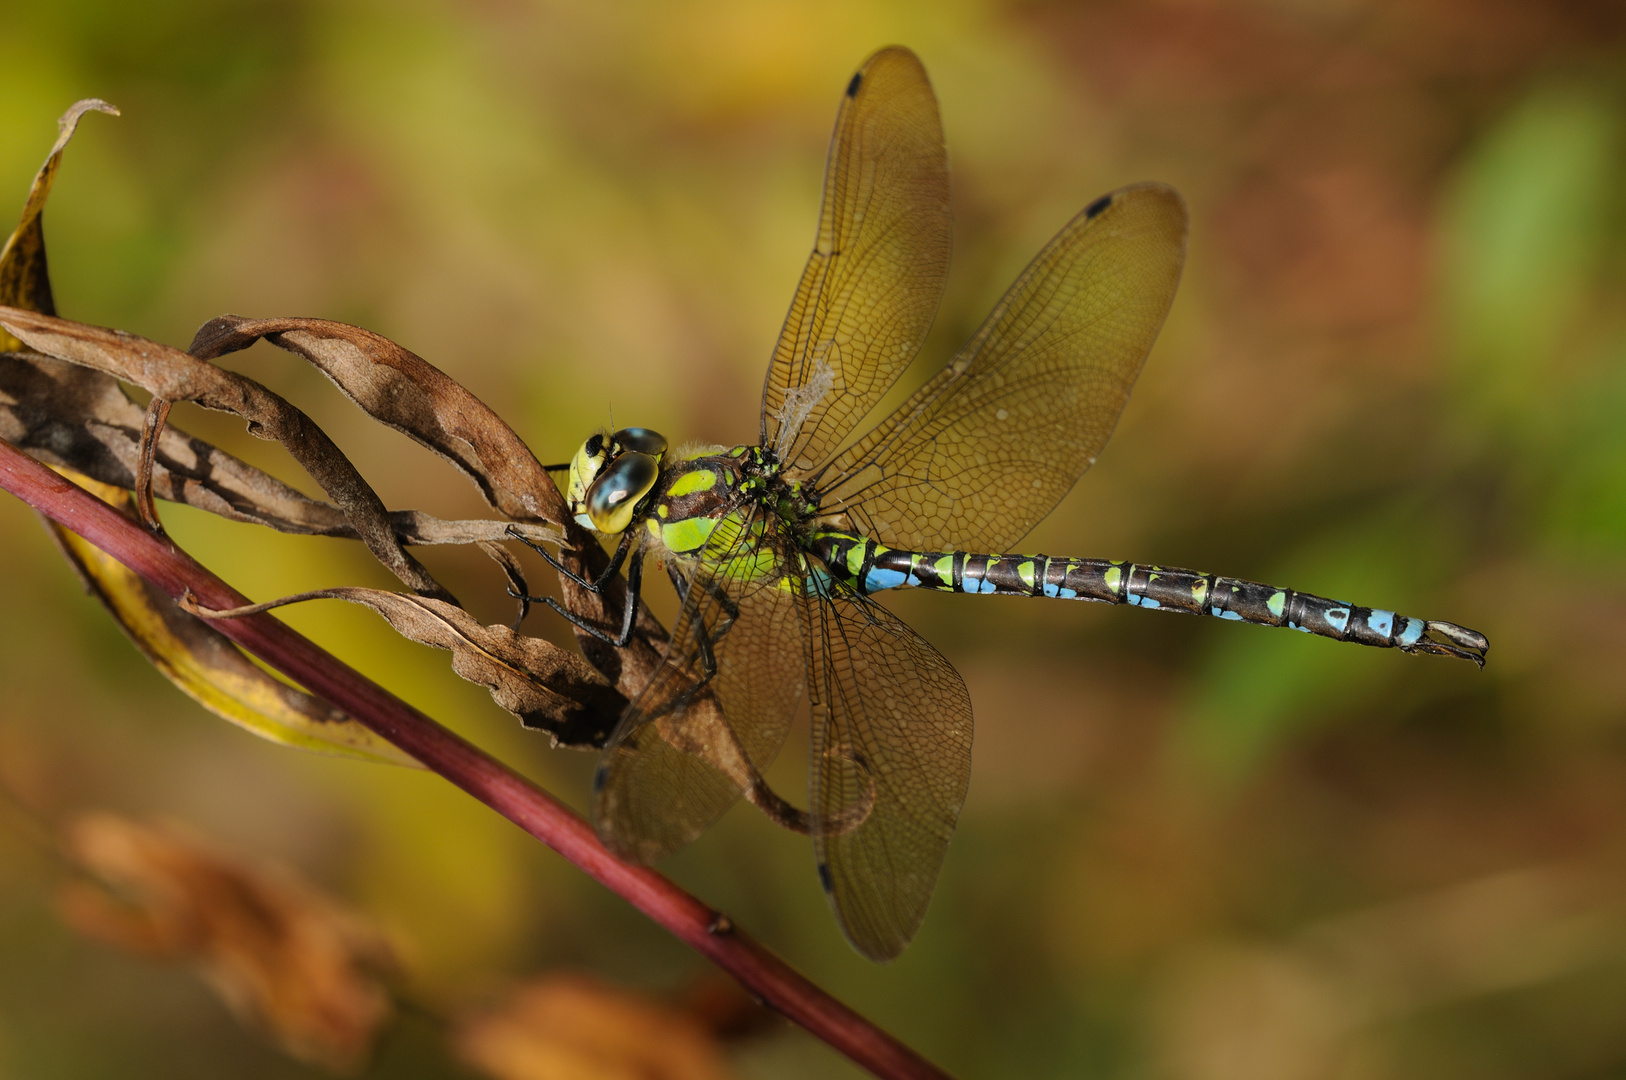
[(611, 474)]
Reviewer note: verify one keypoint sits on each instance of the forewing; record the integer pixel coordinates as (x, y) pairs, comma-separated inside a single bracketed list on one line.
[(892, 721), (989, 445), (874, 280), (717, 709)]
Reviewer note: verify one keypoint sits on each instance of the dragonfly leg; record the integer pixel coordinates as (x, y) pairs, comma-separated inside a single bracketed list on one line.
[(635, 577), (704, 636), (629, 615), (594, 586)]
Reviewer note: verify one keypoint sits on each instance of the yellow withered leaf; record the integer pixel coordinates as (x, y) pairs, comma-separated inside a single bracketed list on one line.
[(24, 280), (204, 663), (191, 654)]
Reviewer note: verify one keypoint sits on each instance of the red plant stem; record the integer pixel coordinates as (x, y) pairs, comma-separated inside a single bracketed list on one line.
[(479, 774)]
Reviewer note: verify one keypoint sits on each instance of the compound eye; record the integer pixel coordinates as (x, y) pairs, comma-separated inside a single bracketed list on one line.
[(611, 499), (584, 468), (640, 439)]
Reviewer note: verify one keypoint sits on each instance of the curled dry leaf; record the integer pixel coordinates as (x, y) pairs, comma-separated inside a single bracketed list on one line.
[(71, 417), (80, 419), (399, 388), (548, 688), (24, 277), (205, 664), (283, 956), (571, 1027), (76, 416), (176, 376)]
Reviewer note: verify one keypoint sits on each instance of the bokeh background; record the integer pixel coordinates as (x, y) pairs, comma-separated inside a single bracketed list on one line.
[(1395, 372)]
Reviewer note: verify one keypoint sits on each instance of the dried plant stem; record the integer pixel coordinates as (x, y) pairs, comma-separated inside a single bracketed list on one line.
[(482, 776)]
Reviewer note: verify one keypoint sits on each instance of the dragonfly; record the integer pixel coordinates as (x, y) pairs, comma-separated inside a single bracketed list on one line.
[(778, 549)]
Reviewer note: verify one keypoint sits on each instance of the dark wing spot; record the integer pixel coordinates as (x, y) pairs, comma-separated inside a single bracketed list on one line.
[(825, 879), (600, 775), (1095, 208), (852, 87)]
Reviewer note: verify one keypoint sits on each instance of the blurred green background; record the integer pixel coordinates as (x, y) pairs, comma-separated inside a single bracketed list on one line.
[(1395, 373)]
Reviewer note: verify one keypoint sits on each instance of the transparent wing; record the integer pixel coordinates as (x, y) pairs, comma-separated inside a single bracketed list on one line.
[(873, 283), (990, 444), (892, 722), (716, 711)]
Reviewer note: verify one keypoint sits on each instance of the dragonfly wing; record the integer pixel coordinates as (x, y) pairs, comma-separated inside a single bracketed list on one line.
[(989, 445), (873, 283), (891, 726), (715, 713)]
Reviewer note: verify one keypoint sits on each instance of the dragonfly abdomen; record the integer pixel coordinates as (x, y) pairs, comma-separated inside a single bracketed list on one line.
[(872, 567)]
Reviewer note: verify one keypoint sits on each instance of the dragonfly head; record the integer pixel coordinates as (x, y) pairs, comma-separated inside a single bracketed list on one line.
[(610, 474)]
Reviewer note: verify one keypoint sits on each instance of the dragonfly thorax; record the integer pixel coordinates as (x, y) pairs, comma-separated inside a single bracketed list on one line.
[(762, 478), (611, 474), (745, 485)]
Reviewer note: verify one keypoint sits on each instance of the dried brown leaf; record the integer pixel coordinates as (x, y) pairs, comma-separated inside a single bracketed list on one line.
[(78, 418), (73, 417), (572, 1027), (401, 389), (176, 376), (548, 688), (70, 412), (282, 955)]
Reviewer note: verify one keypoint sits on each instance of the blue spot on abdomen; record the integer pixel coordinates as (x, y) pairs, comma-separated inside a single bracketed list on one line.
[(1381, 621), (878, 579)]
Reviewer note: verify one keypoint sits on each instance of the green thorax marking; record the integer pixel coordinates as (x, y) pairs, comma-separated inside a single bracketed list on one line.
[(702, 503)]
